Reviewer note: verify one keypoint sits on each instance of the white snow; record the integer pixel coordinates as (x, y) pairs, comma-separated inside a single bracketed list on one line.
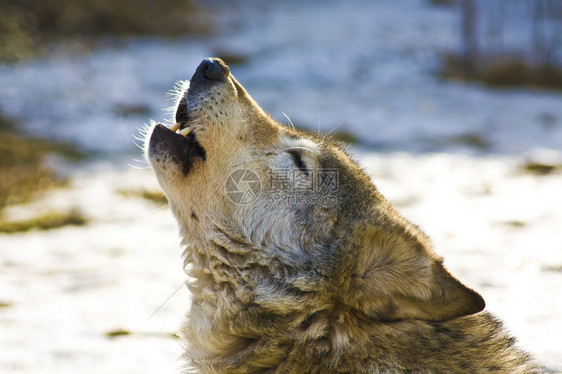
[(69, 287), (369, 65)]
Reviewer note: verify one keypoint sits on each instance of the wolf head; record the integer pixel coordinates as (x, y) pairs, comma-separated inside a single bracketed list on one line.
[(290, 216)]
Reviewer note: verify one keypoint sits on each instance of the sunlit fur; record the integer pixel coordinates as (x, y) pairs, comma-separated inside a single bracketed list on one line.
[(348, 286)]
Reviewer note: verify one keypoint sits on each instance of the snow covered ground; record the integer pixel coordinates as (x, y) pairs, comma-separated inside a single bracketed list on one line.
[(498, 229), (370, 65)]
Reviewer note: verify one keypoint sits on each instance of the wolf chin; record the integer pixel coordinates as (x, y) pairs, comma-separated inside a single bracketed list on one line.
[(297, 263)]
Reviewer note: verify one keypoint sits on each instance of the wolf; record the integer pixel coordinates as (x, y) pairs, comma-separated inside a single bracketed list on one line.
[(297, 264)]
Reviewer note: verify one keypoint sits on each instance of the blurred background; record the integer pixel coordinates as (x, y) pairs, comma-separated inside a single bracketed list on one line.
[(453, 106)]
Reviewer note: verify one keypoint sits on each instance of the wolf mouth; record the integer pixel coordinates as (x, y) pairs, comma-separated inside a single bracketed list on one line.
[(178, 143), (182, 127), (182, 113)]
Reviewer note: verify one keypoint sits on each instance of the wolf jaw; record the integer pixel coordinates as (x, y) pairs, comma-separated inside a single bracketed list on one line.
[(348, 286)]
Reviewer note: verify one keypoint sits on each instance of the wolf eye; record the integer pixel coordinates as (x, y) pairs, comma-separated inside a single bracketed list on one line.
[(297, 159)]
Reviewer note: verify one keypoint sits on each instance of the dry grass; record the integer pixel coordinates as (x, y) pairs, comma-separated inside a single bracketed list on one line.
[(472, 140), (23, 170), (510, 71), (117, 333), (540, 168), (28, 25), (46, 221), (157, 197)]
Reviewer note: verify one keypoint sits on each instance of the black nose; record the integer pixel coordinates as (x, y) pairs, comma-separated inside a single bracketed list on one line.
[(211, 69)]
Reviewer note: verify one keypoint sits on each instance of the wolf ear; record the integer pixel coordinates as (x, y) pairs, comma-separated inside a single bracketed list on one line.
[(398, 276)]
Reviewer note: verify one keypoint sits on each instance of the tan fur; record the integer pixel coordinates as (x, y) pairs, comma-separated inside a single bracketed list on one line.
[(337, 282)]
